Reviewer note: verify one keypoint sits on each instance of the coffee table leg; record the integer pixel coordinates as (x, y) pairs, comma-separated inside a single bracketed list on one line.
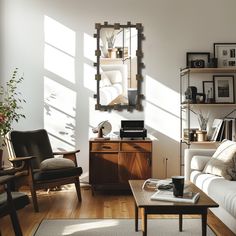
[(144, 221), (136, 216), (204, 223), (180, 222)]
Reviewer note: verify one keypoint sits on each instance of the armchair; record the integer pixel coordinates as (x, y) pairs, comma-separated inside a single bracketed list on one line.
[(32, 149), (11, 201)]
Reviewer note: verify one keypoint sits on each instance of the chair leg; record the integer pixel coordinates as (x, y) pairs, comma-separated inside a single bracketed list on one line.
[(34, 198), (15, 223), (77, 186)]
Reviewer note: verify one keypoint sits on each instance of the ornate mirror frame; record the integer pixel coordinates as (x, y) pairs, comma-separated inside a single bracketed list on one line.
[(139, 55)]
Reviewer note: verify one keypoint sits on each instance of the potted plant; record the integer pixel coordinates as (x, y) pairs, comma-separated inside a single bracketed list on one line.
[(10, 106)]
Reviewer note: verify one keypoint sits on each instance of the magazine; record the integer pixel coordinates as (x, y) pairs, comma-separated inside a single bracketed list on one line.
[(188, 197)]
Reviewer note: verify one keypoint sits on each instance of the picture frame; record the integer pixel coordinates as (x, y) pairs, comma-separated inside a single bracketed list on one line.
[(197, 59), (224, 88), (208, 90), (226, 54)]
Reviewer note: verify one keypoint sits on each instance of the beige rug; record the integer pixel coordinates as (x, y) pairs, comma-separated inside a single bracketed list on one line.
[(118, 227)]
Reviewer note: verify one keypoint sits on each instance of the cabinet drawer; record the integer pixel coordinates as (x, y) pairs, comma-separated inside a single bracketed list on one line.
[(137, 146), (104, 147)]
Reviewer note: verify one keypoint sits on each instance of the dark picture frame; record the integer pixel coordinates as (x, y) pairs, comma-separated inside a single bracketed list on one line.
[(226, 54), (208, 90), (197, 59), (224, 88)]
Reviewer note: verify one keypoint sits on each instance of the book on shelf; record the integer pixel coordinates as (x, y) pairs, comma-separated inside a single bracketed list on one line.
[(224, 129), (188, 197)]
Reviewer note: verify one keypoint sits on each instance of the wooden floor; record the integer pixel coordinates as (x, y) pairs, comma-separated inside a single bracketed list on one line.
[(64, 204)]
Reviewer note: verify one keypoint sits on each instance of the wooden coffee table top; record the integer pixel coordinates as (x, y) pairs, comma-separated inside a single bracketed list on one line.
[(142, 197)]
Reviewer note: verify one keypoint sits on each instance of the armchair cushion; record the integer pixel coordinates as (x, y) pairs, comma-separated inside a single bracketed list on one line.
[(199, 162), (222, 160), (40, 175), (56, 163)]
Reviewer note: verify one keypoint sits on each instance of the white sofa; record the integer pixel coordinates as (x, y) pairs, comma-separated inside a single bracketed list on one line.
[(113, 82), (221, 190)]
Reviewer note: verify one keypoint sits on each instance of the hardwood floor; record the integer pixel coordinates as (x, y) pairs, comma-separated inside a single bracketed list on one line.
[(64, 204)]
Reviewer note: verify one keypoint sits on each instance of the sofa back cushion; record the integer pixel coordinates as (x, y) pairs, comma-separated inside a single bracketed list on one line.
[(222, 160)]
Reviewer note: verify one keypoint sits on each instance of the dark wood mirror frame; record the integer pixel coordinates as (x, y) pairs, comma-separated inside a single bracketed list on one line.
[(140, 66)]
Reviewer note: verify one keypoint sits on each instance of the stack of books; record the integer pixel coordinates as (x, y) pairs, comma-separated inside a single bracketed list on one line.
[(188, 197)]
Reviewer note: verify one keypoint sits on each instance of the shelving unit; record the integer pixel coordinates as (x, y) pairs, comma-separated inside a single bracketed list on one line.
[(186, 75)]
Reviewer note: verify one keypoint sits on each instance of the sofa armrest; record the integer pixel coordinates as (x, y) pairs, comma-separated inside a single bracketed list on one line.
[(189, 154)]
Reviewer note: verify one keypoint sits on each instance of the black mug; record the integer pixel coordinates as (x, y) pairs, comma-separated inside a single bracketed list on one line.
[(178, 186)]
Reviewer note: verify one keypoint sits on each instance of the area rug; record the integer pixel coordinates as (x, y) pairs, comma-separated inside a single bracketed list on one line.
[(118, 227)]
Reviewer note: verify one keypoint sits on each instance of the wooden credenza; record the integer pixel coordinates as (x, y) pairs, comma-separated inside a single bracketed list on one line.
[(113, 162)]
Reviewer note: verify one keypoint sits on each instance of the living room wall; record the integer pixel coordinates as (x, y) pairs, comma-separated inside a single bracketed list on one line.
[(52, 44)]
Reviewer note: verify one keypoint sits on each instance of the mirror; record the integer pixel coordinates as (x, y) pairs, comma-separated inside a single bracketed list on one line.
[(119, 66)]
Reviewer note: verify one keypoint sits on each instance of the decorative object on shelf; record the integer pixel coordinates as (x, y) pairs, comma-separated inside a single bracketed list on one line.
[(190, 94), (213, 63), (202, 120), (10, 106), (133, 129), (197, 59), (224, 88), (226, 54), (103, 128), (208, 90), (201, 135)]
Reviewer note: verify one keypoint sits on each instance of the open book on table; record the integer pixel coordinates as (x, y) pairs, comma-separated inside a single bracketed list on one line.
[(188, 197)]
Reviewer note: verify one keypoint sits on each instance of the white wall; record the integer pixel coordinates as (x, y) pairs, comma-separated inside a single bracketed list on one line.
[(60, 96)]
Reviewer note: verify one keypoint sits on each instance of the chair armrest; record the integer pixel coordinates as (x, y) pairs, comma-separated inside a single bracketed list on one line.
[(6, 178), (66, 153), (189, 154), (18, 159)]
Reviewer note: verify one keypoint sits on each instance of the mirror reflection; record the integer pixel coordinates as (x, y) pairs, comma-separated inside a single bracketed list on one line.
[(117, 66)]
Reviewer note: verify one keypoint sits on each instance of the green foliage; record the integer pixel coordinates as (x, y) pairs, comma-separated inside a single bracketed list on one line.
[(10, 104)]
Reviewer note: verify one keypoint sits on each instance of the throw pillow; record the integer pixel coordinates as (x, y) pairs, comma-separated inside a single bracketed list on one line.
[(222, 160), (56, 163), (232, 171), (115, 76), (199, 162)]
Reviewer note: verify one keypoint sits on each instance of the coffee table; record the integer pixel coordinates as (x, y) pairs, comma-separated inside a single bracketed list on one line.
[(142, 200)]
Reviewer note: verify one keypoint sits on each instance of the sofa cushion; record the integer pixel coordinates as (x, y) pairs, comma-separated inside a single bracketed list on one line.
[(232, 170), (199, 162), (219, 189), (222, 159), (114, 76), (56, 163), (105, 81)]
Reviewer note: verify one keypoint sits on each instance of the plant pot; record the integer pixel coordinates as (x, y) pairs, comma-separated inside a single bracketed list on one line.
[(201, 135)]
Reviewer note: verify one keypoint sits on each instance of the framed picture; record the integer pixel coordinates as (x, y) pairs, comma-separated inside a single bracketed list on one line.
[(224, 88), (226, 54), (197, 59), (208, 90)]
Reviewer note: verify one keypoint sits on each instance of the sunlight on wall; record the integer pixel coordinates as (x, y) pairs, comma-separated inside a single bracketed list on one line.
[(59, 36), (59, 63), (89, 47), (59, 100), (163, 103), (89, 78)]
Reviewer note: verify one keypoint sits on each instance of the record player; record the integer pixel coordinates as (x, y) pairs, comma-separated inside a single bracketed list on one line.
[(133, 129)]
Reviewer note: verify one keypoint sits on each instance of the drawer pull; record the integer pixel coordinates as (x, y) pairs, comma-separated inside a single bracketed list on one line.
[(106, 147)]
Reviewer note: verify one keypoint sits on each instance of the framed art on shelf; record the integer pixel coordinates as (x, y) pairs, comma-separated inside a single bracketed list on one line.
[(197, 59), (224, 88), (208, 90), (226, 54)]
